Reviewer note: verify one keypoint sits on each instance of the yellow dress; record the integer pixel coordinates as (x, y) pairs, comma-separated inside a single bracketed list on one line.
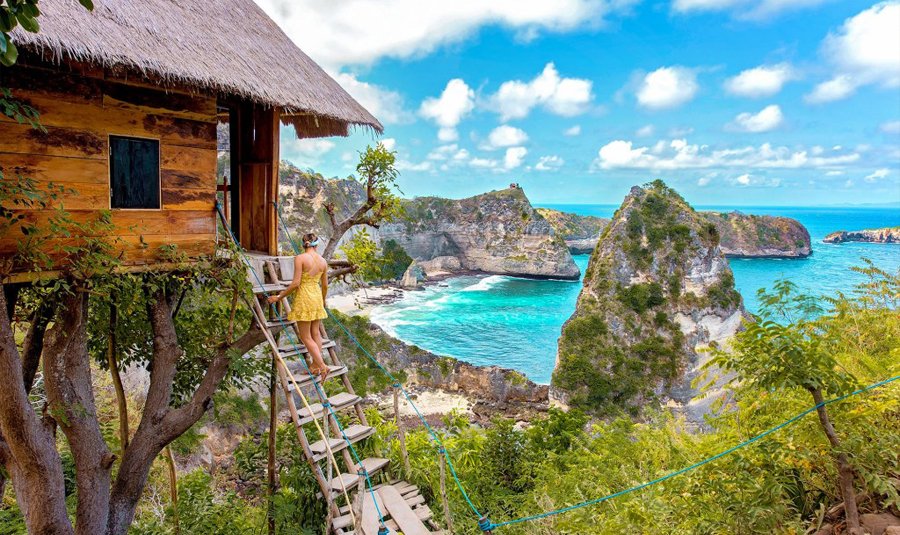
[(308, 303)]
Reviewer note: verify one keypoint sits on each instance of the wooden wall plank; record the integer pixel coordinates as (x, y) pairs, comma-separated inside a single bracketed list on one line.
[(154, 101), (55, 169), (143, 248), (56, 141), (135, 222), (188, 199), (75, 195), (93, 118), (188, 167)]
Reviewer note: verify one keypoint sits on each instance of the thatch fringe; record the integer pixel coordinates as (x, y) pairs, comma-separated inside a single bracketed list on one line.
[(230, 47)]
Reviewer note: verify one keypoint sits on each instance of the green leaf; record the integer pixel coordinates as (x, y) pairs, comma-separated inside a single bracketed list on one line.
[(8, 58), (7, 20), (3, 40), (29, 24), (88, 4), (31, 10)]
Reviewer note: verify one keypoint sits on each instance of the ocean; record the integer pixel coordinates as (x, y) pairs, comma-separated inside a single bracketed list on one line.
[(515, 323)]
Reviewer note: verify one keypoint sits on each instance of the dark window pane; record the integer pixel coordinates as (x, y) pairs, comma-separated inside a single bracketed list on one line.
[(134, 172)]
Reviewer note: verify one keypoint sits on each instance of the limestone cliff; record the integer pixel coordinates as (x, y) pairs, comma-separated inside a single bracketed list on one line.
[(881, 235), (656, 290), (580, 232), (756, 236), (496, 232)]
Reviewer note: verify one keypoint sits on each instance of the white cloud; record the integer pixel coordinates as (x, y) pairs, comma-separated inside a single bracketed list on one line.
[(706, 179), (310, 147), (743, 180), (514, 157), (762, 81), (389, 143), (878, 175), (679, 154), (483, 163), (745, 9), (667, 87), (405, 165), (573, 131), (848, 183), (360, 32), (865, 50), (549, 163), (562, 96), (384, 104), (456, 101), (450, 152), (839, 87), (834, 173), (505, 136), (890, 127), (769, 118), (645, 131)]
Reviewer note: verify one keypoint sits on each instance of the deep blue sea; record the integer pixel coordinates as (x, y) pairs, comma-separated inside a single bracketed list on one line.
[(515, 323)]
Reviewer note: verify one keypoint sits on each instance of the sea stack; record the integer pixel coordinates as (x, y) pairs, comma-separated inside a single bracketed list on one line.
[(878, 235), (657, 289)]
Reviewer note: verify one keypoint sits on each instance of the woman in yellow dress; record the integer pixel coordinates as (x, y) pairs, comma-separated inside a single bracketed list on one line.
[(308, 308)]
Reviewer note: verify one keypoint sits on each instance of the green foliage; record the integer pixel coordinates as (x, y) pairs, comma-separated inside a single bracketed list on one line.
[(722, 293), (362, 252), (642, 296)]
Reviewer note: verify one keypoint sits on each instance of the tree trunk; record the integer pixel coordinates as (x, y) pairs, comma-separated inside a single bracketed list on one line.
[(67, 379), (112, 361), (32, 460), (33, 345), (845, 469)]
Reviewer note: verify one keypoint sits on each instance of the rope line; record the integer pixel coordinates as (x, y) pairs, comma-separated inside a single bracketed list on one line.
[(318, 387), (700, 463), (395, 381)]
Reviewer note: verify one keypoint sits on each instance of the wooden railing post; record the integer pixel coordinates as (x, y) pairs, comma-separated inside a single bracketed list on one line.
[(358, 502), (400, 433), (443, 462)]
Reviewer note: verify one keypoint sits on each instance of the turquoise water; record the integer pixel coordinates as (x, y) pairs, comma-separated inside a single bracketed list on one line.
[(515, 323)]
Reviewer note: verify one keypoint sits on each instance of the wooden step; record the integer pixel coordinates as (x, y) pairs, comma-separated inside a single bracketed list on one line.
[(269, 289), (373, 465), (401, 512), (295, 347), (339, 402), (354, 433), (304, 379), (424, 513), (278, 323)]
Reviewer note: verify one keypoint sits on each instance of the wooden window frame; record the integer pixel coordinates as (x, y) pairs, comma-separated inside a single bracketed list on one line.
[(109, 171)]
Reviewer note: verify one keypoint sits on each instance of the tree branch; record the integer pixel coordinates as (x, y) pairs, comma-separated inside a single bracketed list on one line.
[(34, 341)]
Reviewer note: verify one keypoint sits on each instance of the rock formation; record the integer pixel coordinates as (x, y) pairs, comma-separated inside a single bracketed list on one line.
[(657, 289), (580, 232), (760, 236), (497, 232), (880, 235), (741, 235)]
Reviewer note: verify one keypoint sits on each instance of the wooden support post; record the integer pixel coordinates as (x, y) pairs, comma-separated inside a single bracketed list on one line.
[(173, 487), (273, 429), (358, 501), (443, 462), (400, 433)]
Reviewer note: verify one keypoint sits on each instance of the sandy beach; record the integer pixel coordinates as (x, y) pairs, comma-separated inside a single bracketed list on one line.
[(361, 300)]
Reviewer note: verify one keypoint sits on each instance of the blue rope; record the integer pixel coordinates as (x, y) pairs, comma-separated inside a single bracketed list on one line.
[(698, 464), (395, 381), (322, 396)]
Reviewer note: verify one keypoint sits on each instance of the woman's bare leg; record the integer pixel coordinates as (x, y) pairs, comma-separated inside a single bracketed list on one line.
[(316, 331), (317, 366)]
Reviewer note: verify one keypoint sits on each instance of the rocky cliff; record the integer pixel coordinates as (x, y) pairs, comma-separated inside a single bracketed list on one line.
[(756, 236), (881, 235), (657, 289), (580, 232), (496, 232)]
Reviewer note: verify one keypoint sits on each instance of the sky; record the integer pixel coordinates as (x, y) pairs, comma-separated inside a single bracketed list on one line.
[(731, 102)]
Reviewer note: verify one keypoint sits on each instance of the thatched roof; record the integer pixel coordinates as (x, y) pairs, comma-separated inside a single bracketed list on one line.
[(230, 47)]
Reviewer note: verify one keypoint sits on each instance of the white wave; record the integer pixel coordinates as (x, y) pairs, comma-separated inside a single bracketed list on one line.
[(486, 283)]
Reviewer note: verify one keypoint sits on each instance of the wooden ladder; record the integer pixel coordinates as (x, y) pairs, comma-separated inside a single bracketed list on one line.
[(401, 504)]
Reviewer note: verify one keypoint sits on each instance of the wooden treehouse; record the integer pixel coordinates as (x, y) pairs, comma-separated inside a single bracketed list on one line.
[(130, 97)]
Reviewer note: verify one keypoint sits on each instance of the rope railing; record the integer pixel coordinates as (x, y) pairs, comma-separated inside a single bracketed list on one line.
[(321, 393), (485, 524)]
